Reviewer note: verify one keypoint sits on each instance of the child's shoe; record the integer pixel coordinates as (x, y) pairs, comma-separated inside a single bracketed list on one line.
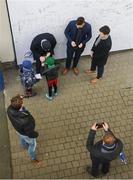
[(48, 97), (29, 93), (56, 94)]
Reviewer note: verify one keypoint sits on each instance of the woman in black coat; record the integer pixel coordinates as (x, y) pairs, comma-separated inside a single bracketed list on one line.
[(99, 53)]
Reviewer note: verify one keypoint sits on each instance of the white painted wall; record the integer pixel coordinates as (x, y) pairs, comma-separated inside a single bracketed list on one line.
[(32, 17), (6, 48)]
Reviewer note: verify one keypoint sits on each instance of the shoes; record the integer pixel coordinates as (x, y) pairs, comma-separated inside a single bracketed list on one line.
[(48, 97), (29, 94), (88, 169), (55, 94), (93, 81), (38, 76), (76, 71), (65, 71), (35, 161), (88, 71)]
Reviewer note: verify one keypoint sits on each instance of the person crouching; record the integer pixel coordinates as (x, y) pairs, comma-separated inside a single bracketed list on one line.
[(28, 78)]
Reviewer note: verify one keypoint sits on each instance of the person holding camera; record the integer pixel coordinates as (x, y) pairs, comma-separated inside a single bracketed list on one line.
[(24, 124), (104, 151)]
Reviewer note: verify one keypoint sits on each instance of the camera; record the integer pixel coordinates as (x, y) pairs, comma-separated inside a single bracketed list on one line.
[(99, 125)]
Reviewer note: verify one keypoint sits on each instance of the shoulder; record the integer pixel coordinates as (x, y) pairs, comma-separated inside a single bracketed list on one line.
[(71, 23), (87, 25)]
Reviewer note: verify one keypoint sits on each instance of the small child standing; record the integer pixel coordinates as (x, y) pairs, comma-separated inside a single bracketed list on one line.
[(51, 74), (28, 79)]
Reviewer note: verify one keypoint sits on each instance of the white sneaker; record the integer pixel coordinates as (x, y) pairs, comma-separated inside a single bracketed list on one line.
[(48, 97), (38, 76), (55, 94)]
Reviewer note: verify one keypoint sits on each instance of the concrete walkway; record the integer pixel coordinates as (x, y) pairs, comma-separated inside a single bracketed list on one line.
[(63, 123)]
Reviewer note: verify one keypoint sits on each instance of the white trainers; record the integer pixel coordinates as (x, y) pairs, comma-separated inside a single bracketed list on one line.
[(55, 94), (38, 76), (48, 97)]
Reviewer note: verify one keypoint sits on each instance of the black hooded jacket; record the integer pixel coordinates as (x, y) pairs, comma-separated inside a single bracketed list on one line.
[(95, 149), (101, 51), (23, 122), (36, 44)]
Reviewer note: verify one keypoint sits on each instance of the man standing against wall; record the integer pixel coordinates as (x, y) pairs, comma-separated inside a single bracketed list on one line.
[(78, 33), (41, 45), (100, 52)]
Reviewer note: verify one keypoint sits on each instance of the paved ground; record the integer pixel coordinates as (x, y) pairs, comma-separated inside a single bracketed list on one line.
[(63, 123)]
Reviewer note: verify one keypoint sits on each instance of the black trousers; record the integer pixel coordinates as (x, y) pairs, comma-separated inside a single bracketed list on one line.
[(95, 166), (100, 69), (73, 53), (50, 89)]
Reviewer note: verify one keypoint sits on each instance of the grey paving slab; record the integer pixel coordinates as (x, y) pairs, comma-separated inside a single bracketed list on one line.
[(63, 123)]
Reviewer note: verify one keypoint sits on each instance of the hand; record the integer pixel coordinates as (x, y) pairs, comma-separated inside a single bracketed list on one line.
[(42, 58), (42, 64), (73, 44), (94, 127), (105, 126), (91, 54), (48, 54), (80, 45)]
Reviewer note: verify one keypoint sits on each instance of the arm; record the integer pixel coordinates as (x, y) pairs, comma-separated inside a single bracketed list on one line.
[(88, 35), (90, 140), (91, 137), (36, 49), (67, 31), (49, 69)]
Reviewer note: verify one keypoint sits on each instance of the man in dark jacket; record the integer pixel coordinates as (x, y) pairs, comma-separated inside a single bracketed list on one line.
[(41, 45), (104, 151), (100, 52), (78, 33), (24, 124)]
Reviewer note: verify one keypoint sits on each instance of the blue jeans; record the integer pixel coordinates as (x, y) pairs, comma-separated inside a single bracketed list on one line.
[(30, 142)]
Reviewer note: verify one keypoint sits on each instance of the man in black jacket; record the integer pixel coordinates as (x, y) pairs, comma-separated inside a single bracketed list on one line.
[(100, 52), (78, 33), (41, 45), (24, 124), (104, 151)]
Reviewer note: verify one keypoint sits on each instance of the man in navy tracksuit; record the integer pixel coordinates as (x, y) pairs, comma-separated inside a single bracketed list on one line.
[(78, 33)]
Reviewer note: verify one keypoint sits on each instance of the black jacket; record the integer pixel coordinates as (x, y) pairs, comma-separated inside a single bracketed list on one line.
[(71, 29), (51, 73), (101, 51), (95, 149), (36, 44), (23, 122)]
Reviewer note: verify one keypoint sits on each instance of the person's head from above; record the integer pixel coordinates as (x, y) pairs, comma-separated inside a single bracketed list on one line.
[(27, 64), (80, 22), (17, 101), (46, 45), (104, 32), (108, 139)]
